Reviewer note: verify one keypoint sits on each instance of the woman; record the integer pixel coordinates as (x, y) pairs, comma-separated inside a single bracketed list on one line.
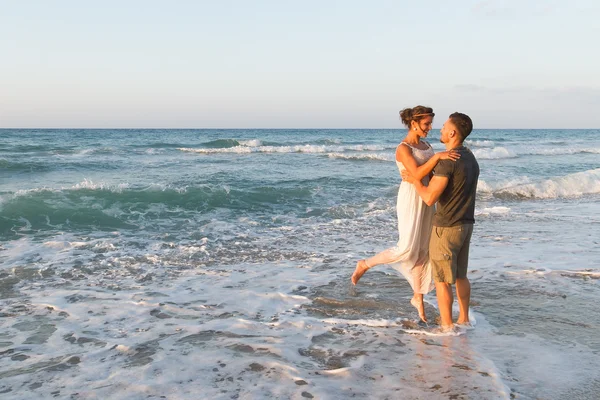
[(410, 255)]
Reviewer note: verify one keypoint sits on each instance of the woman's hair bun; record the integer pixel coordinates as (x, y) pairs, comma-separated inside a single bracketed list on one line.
[(406, 116), (415, 114)]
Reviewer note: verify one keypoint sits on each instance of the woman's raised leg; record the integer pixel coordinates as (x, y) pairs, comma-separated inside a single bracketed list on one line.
[(384, 257)]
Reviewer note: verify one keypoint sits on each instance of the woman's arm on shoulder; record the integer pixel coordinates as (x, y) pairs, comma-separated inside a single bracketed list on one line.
[(404, 155)]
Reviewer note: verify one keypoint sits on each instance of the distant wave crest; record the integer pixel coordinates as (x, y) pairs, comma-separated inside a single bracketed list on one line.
[(494, 153), (564, 151), (300, 148), (479, 143), (361, 157)]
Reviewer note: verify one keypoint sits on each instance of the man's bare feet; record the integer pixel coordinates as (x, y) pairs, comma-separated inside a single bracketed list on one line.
[(446, 330), (361, 268), (420, 306), (464, 323)]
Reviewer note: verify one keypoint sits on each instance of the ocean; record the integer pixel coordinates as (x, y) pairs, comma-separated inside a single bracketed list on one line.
[(201, 264)]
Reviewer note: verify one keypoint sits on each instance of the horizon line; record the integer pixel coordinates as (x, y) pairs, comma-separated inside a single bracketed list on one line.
[(137, 128)]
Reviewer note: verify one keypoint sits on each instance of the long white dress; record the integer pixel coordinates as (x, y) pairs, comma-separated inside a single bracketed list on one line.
[(411, 254)]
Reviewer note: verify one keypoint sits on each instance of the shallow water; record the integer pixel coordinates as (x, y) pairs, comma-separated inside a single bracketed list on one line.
[(216, 264)]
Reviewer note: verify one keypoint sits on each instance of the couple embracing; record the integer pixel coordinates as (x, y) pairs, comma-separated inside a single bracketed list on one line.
[(433, 242)]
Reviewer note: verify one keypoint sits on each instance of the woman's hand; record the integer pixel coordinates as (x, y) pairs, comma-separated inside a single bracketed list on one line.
[(407, 177), (449, 155)]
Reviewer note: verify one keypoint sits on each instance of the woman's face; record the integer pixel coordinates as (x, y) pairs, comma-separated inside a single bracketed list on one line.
[(423, 126)]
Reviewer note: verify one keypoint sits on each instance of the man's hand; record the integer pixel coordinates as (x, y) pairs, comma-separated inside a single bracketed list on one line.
[(407, 177)]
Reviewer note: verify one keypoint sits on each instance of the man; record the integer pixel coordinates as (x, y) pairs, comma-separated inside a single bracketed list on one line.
[(453, 186)]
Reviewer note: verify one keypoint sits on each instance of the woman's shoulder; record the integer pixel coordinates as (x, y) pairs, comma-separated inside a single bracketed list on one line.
[(406, 147), (412, 148)]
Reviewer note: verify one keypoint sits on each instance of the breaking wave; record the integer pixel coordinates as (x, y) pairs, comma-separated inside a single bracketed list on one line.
[(572, 185)]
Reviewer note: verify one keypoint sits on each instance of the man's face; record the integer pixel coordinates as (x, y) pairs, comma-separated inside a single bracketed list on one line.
[(446, 130)]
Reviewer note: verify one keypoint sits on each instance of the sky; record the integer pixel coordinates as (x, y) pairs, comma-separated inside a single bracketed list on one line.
[(297, 64)]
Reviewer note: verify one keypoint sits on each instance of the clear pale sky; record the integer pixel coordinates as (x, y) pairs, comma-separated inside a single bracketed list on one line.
[(297, 64)]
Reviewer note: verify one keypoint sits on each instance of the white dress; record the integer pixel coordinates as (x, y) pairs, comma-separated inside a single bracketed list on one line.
[(415, 218)]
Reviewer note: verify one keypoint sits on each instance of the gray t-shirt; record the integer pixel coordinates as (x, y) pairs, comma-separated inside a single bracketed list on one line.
[(456, 205)]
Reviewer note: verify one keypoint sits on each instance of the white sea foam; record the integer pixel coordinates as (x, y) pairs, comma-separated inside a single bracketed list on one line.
[(85, 184), (491, 187), (250, 143), (161, 187), (145, 335), (374, 323), (558, 368), (436, 332), (306, 148), (247, 322), (365, 157), (484, 150), (236, 149), (479, 143), (63, 245), (75, 152), (561, 151), (498, 210), (584, 274), (25, 192), (88, 184), (494, 153), (3, 199), (154, 151), (85, 152), (572, 185), (514, 152)]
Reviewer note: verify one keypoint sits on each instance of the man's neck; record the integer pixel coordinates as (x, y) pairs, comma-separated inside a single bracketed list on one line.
[(453, 145)]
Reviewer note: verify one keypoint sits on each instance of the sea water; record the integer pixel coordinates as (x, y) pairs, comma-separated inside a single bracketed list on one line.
[(192, 264)]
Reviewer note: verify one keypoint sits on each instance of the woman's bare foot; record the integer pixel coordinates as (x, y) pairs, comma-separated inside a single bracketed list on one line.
[(361, 268), (420, 306)]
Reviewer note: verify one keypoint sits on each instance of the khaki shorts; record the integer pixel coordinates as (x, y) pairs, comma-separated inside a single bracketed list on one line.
[(449, 252)]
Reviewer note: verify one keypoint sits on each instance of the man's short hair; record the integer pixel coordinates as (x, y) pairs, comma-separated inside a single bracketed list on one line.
[(463, 124)]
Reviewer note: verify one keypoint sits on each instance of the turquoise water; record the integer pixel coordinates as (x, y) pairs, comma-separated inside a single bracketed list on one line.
[(142, 252)]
